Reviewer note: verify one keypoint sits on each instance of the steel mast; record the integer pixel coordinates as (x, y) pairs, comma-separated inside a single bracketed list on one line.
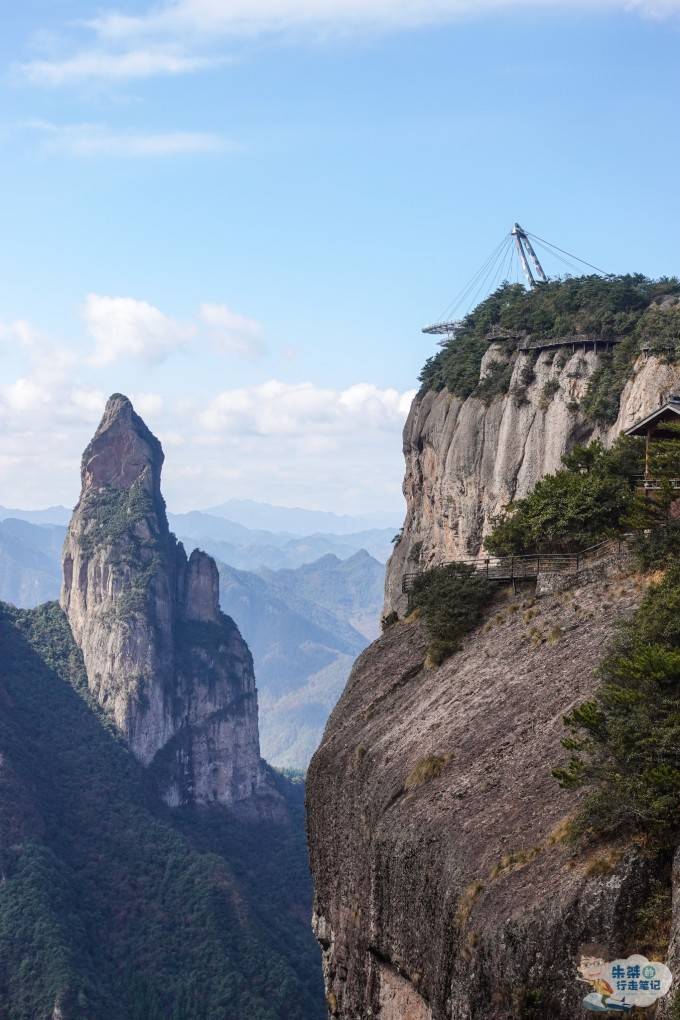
[(524, 248)]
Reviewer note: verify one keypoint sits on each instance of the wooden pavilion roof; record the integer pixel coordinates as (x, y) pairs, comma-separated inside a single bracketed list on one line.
[(667, 414)]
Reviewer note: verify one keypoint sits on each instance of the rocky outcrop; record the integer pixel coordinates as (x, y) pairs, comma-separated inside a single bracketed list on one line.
[(465, 460), (445, 889), (169, 668)]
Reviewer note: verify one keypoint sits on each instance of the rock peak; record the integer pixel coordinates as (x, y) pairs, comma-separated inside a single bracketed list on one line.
[(122, 451), (169, 668)]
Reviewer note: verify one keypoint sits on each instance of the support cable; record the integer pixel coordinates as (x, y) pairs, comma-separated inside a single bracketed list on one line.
[(535, 237)]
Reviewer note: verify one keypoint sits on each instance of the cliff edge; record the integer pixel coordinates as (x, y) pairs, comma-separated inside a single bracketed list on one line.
[(466, 459), (445, 885)]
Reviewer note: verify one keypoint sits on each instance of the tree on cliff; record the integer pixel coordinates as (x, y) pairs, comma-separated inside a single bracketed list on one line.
[(625, 743), (591, 498)]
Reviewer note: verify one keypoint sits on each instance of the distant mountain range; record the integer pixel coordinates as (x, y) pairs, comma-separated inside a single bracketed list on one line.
[(306, 605), (52, 515), (299, 521), (252, 547), (249, 549), (30, 562), (305, 628), (254, 516)]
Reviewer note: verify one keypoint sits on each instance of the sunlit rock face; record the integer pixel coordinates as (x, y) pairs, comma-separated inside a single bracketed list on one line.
[(445, 886), (170, 669), (466, 460)]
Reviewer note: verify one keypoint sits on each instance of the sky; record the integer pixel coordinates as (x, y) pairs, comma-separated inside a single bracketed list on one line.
[(242, 212)]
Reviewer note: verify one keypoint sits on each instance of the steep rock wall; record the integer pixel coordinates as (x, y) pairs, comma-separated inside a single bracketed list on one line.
[(444, 887), (465, 460), (170, 669)]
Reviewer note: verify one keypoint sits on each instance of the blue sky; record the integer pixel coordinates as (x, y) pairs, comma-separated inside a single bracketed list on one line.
[(241, 213)]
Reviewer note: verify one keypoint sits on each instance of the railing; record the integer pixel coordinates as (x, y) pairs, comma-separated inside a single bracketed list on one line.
[(517, 568), (654, 484), (568, 341)]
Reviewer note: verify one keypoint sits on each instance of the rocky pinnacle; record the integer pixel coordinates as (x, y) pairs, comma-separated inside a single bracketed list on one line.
[(168, 667)]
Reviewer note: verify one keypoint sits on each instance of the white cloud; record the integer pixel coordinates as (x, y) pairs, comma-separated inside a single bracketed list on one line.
[(233, 333), (25, 394), (302, 409), (147, 403), (103, 65), (127, 328), (243, 17), (180, 36), (91, 140), (289, 443)]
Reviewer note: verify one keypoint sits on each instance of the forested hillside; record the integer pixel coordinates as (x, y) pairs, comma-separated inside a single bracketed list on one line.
[(113, 905)]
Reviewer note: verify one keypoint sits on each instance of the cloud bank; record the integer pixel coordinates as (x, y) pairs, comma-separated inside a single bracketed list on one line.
[(181, 37), (294, 443)]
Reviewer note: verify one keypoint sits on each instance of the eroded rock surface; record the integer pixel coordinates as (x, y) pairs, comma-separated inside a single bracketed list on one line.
[(170, 669), (444, 887), (465, 460)]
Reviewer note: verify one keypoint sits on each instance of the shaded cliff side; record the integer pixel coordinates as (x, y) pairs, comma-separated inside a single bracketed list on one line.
[(168, 667)]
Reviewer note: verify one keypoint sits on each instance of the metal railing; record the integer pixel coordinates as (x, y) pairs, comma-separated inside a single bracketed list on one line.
[(654, 484), (517, 568)]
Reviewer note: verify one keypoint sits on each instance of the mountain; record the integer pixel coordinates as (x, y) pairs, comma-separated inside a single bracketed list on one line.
[(304, 627), (298, 521), (250, 549), (30, 568), (152, 865), (53, 515), (351, 589), (111, 903), (454, 876)]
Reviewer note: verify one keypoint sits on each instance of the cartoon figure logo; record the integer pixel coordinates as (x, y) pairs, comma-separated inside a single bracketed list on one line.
[(621, 985)]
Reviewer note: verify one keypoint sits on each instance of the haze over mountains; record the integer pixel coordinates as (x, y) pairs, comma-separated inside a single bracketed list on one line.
[(300, 521), (305, 628), (307, 604)]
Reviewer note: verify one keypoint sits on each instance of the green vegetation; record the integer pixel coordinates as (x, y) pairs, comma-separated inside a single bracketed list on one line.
[(425, 770), (111, 904), (113, 518), (627, 307), (112, 514), (451, 600), (495, 382), (549, 390), (625, 744), (590, 498)]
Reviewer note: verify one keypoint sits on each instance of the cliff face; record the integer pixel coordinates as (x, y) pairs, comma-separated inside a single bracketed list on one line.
[(169, 668), (465, 460), (444, 887)]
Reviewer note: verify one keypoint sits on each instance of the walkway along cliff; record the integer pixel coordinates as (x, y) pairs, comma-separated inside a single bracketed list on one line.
[(444, 886), (466, 460)]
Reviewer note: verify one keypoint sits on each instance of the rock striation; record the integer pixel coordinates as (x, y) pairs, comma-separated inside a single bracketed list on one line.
[(465, 460), (168, 667), (444, 887)]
